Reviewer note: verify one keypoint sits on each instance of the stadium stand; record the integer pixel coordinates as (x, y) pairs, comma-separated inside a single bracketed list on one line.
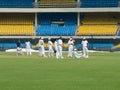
[(102, 45), (97, 30), (116, 46), (99, 24), (16, 24), (56, 24), (59, 24), (119, 33), (16, 30), (10, 45), (100, 18), (99, 3), (97, 45), (53, 30), (57, 3), (16, 3)]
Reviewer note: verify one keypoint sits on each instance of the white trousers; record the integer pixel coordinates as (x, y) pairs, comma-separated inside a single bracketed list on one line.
[(85, 52), (57, 53), (42, 51), (19, 51), (50, 51), (77, 55), (60, 51), (70, 50), (28, 51)]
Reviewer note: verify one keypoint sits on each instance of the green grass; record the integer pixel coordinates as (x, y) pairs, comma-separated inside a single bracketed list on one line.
[(101, 71)]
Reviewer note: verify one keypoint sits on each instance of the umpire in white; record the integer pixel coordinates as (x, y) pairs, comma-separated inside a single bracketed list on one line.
[(70, 47), (60, 45), (56, 49), (28, 47), (84, 47), (50, 48), (41, 47)]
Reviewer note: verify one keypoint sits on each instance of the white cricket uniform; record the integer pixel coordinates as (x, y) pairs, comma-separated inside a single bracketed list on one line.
[(60, 42), (28, 48), (76, 54), (41, 49), (50, 49), (56, 49), (19, 51), (84, 48), (70, 48)]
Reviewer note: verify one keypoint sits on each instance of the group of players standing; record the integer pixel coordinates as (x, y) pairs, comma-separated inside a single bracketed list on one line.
[(58, 48)]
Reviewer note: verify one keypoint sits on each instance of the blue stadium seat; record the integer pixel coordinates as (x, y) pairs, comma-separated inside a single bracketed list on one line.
[(103, 45), (47, 28), (10, 45), (56, 30), (119, 33), (99, 3), (16, 3)]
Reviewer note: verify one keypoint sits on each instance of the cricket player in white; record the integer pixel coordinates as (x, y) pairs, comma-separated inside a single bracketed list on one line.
[(70, 47), (41, 49), (84, 47), (28, 47), (56, 49), (76, 54), (50, 49), (19, 51), (60, 43)]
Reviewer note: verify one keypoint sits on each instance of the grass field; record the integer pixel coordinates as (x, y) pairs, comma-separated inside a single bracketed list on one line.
[(101, 71)]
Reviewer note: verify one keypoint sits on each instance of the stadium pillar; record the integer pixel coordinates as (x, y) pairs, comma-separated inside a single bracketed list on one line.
[(36, 0), (36, 4), (36, 22), (78, 3), (118, 3), (78, 19)]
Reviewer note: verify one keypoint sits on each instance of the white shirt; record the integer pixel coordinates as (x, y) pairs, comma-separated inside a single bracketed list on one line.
[(60, 42), (84, 43), (56, 45), (41, 42), (70, 42), (27, 44), (50, 44)]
